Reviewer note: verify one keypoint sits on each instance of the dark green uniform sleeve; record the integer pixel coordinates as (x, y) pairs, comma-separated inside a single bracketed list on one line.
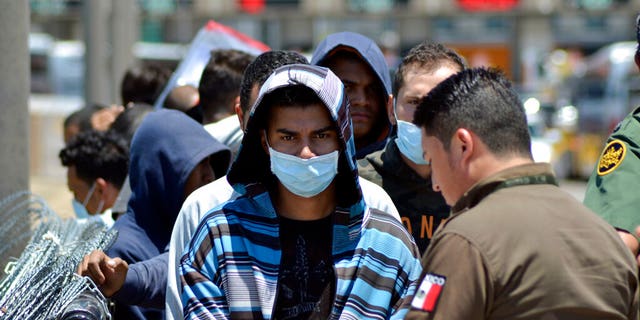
[(613, 189)]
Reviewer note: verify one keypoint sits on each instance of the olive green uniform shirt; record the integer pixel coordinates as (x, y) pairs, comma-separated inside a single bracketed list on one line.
[(613, 190), (421, 209), (518, 247)]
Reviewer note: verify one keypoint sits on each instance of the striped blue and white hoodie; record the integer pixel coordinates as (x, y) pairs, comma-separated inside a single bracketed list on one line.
[(230, 269)]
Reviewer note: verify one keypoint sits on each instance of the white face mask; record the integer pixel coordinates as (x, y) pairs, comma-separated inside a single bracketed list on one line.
[(409, 142), (304, 177)]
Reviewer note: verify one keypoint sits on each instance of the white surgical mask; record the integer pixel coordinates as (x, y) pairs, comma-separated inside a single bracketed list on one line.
[(304, 177), (409, 142)]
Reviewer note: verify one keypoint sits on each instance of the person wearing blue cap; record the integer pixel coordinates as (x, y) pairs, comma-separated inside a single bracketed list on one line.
[(299, 240), (360, 64)]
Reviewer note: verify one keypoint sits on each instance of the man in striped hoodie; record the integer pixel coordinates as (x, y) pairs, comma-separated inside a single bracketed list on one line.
[(299, 242)]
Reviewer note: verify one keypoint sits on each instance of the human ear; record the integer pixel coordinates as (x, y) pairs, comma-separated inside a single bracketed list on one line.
[(463, 144), (390, 110), (101, 186), (102, 190), (240, 115)]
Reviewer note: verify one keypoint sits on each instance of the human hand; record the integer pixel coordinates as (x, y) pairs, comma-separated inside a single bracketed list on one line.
[(107, 273), (630, 241)]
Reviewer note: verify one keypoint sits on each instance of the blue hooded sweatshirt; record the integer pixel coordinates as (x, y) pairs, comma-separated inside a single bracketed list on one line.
[(165, 149), (369, 51)]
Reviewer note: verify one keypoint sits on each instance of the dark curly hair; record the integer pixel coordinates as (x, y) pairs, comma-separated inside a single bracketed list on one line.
[(97, 155)]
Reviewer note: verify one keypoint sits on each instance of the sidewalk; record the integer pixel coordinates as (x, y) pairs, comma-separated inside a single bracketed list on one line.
[(55, 192), (48, 178)]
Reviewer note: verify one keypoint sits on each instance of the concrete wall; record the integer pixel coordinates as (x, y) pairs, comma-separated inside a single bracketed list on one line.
[(14, 92)]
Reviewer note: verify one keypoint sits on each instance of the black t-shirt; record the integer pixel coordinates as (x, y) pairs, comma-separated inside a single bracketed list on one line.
[(306, 282)]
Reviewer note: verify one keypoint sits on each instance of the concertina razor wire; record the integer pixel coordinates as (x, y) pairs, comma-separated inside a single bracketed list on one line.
[(42, 252)]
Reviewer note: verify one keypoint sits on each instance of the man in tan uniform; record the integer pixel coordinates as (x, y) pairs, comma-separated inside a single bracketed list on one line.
[(516, 246)]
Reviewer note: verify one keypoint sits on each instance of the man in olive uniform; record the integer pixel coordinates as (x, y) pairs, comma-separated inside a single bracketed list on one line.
[(612, 190), (515, 246), (400, 168)]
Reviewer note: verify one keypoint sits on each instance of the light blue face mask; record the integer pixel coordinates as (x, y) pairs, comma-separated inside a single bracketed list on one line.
[(304, 177), (409, 141), (81, 208)]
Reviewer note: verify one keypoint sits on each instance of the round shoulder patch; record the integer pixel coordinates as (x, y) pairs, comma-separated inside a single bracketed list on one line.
[(611, 157)]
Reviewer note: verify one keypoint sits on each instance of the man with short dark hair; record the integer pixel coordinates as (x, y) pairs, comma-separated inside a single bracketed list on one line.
[(301, 230), (143, 83), (516, 246), (219, 85), (219, 89), (359, 63), (400, 168), (97, 164)]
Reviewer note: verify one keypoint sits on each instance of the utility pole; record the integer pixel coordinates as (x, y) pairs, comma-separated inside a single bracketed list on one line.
[(95, 18), (14, 96), (110, 32), (124, 34)]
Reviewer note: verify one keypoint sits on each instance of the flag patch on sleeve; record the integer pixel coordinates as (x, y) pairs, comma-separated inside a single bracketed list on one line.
[(427, 295)]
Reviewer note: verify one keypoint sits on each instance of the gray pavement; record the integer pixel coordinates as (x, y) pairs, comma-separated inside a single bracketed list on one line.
[(55, 192)]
